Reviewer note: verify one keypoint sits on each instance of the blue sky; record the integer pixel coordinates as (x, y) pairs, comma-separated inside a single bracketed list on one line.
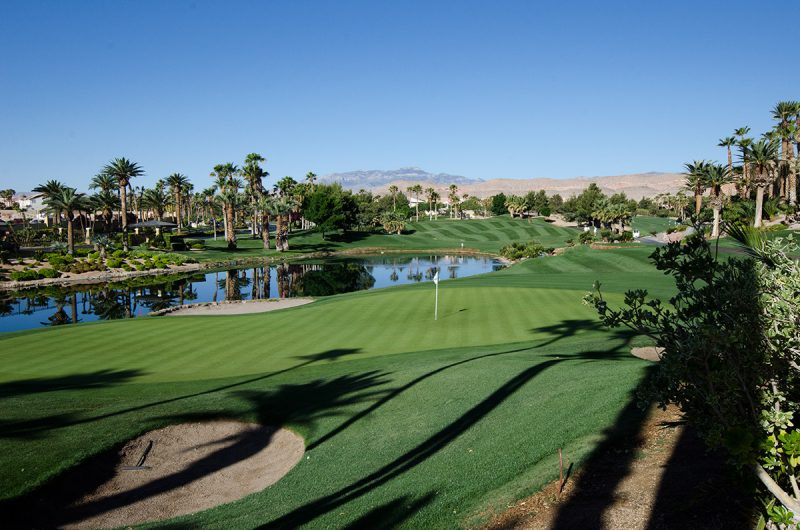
[(481, 89)]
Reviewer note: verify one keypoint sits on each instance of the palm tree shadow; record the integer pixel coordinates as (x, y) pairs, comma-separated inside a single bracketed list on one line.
[(391, 514), (39, 426), (298, 404), (86, 381), (412, 458), (570, 328)]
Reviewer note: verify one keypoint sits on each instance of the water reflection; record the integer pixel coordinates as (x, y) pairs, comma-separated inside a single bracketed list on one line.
[(55, 306)]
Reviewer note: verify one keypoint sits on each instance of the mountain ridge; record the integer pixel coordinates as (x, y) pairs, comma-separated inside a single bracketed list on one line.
[(634, 185)]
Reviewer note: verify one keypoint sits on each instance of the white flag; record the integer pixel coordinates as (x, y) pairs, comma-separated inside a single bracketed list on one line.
[(436, 278)]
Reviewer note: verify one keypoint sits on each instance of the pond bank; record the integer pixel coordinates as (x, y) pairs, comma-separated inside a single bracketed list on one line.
[(95, 277)]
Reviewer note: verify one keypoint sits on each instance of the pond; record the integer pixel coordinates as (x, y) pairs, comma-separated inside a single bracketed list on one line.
[(55, 306)]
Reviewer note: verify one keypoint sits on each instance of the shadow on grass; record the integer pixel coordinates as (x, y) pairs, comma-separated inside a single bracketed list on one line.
[(391, 514), (38, 427), (91, 380), (298, 404), (417, 455)]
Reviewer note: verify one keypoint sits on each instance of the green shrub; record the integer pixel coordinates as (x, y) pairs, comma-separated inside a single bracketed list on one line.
[(114, 263), (119, 254), (198, 246), (49, 273), (586, 237), (517, 250), (605, 234), (24, 275)]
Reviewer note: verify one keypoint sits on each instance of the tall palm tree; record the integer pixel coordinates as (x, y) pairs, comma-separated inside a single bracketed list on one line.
[(103, 182), (430, 193), (311, 178), (266, 206), (123, 170), (106, 202), (744, 144), (176, 183), (228, 185), (728, 142), (156, 200), (253, 175), (416, 189), (453, 198), (282, 207), (47, 190), (393, 191), (763, 158), (716, 175), (68, 200), (695, 181)]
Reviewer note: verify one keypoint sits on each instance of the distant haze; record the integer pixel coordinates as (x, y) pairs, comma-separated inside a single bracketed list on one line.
[(634, 186)]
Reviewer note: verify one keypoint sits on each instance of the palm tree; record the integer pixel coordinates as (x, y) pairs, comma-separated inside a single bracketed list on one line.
[(266, 206), (228, 185), (176, 183), (728, 142), (50, 189), (784, 111), (156, 200), (282, 208), (67, 200), (311, 178), (106, 202), (695, 181), (103, 182), (253, 175), (744, 145), (762, 160), (123, 170), (430, 193), (716, 175), (453, 197), (393, 190), (416, 189)]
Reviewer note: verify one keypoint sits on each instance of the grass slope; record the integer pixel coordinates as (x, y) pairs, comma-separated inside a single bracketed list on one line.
[(647, 224), (485, 235), (430, 422)]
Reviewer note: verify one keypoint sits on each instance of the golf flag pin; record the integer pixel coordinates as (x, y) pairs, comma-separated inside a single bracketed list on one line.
[(436, 306)]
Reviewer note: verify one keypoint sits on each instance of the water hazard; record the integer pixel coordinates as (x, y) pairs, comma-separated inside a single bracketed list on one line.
[(56, 306)]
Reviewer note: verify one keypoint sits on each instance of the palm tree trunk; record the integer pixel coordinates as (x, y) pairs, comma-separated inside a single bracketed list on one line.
[(279, 232), (230, 235), (759, 206), (698, 202), (70, 237), (265, 229), (123, 213)]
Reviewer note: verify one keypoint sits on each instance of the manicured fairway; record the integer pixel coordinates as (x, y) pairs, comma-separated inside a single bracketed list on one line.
[(434, 422), (647, 224), (487, 235)]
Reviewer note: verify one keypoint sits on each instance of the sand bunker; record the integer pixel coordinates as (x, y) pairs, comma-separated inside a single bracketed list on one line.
[(238, 308), (648, 353), (187, 468)]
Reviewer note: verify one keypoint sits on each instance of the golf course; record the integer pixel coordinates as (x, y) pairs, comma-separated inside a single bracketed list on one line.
[(435, 424)]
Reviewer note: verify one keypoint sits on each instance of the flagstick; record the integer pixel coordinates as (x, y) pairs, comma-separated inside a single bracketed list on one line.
[(436, 310)]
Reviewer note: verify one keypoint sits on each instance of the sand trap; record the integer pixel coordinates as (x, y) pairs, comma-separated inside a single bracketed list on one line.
[(192, 467), (648, 353), (239, 308)]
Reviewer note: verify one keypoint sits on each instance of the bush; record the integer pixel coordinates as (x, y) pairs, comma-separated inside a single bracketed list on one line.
[(49, 273), (114, 263), (545, 211), (586, 237), (24, 275), (198, 246), (119, 254), (605, 234), (517, 250)]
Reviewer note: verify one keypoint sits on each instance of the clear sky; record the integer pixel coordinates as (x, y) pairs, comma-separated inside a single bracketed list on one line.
[(483, 89)]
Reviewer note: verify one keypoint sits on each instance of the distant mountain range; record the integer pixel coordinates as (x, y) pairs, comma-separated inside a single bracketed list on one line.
[(636, 185), (377, 179)]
